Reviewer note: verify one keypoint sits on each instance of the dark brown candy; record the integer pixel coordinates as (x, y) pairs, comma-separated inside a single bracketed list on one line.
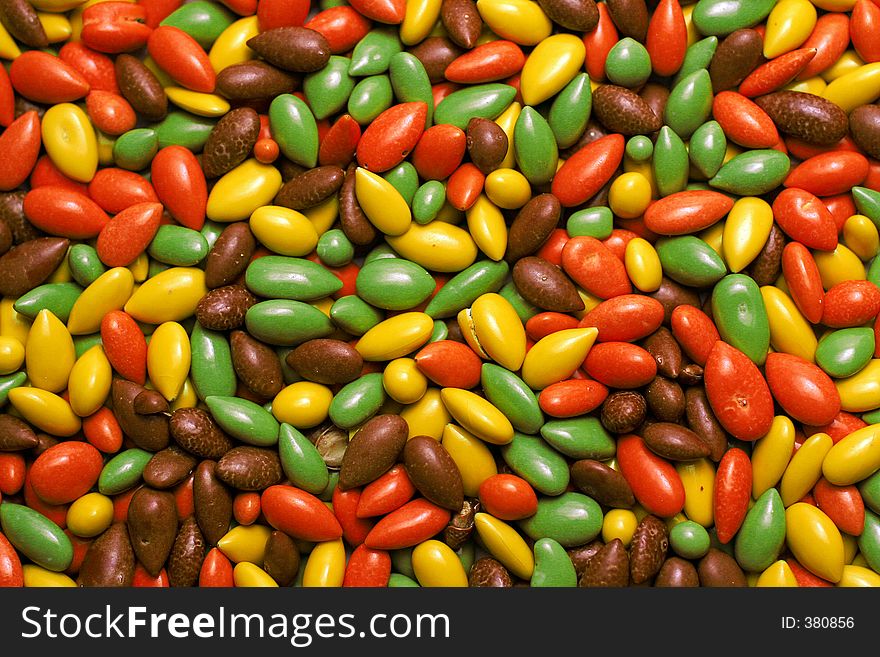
[(622, 110), (582, 555), (630, 17), (249, 468), (354, 222), (604, 484), (677, 573), (6, 238), (224, 308), (149, 432), (736, 56), (109, 561), (674, 442), (150, 402), (16, 435), (609, 568), (195, 431), (593, 131), (29, 264), (152, 527), (575, 15), (433, 472), (230, 255), (296, 49), (806, 116), (435, 54), (623, 411), (647, 551), (331, 443), (461, 526), (44, 442), (462, 22), (702, 421), (254, 80), (671, 295), (230, 141), (212, 502), (666, 352), (691, 375), (289, 170), (545, 285), (326, 361), (187, 555), (665, 399), (310, 188), (141, 88), (655, 96), (720, 570), (12, 215), (864, 125), (168, 468), (281, 560), (256, 365), (373, 450), (487, 572), (532, 226), (487, 144), (22, 21), (766, 266)]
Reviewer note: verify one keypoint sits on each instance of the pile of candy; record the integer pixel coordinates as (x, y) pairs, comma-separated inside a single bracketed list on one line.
[(440, 293)]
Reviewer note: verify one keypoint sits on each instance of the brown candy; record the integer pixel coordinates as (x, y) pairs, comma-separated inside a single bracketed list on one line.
[(168, 468), (691, 375), (6, 238), (254, 80), (666, 352), (623, 411), (575, 15), (487, 144), (150, 402), (462, 22), (532, 226), (310, 188), (593, 131), (674, 442), (864, 125), (647, 550), (224, 308), (609, 568), (545, 285), (230, 142), (582, 555), (702, 421), (487, 572), (281, 560), (249, 468), (677, 573), (630, 17), (435, 54), (806, 116), (141, 88), (622, 110), (29, 264), (44, 442), (195, 431), (720, 570), (655, 96), (765, 268), (22, 21), (15, 435), (109, 561), (461, 526), (230, 255), (327, 361), (149, 432), (736, 56), (354, 222), (256, 365), (604, 484), (433, 472), (212, 502), (373, 450), (665, 399), (296, 49), (670, 295), (12, 215), (152, 527), (187, 555)]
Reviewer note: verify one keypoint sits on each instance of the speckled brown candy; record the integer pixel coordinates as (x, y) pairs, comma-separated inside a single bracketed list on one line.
[(487, 144), (373, 450), (249, 468), (254, 80), (22, 21), (141, 88), (195, 431), (765, 268), (720, 570), (666, 352), (354, 222), (296, 49), (150, 402), (806, 116), (224, 308), (487, 572), (15, 435), (623, 411), (152, 527), (435, 54), (864, 125), (12, 215), (582, 555), (609, 568), (433, 472), (576, 15), (256, 365), (230, 255), (187, 555), (647, 551), (462, 22), (671, 295), (310, 188), (212, 502), (532, 226), (604, 484), (461, 525), (109, 561), (630, 17), (621, 110), (738, 54), (677, 573), (545, 285), (168, 468), (230, 141), (29, 264), (327, 361), (282, 558), (702, 421), (665, 399), (149, 432), (674, 442)]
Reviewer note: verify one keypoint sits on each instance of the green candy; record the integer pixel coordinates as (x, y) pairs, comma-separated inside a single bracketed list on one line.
[(335, 249), (394, 284), (134, 149), (466, 286), (156, 267), (580, 438), (628, 63), (82, 343), (467, 554), (870, 490), (872, 417), (301, 462), (752, 173), (283, 322), (369, 98), (874, 271), (539, 464), (689, 103), (670, 163), (689, 540), (245, 420), (639, 148), (211, 369), (524, 310), (372, 54), (184, 129), (401, 561), (211, 231), (284, 277), (84, 263), (428, 201), (405, 179), (36, 537), (354, 315), (535, 147), (379, 252), (553, 566), (721, 17), (485, 101), (203, 21), (869, 540), (595, 222), (326, 495), (178, 246), (843, 353), (690, 261), (707, 147), (570, 519), (570, 111), (57, 297), (696, 57), (123, 471), (327, 90), (762, 534), (358, 401), (510, 395), (294, 128), (410, 82), (439, 332), (398, 581), (868, 203), (10, 381), (739, 313)]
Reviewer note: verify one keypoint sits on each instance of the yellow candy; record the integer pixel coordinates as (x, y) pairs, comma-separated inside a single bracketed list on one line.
[(858, 576), (105, 149), (507, 121), (12, 323), (187, 397), (814, 540), (8, 47), (521, 21), (555, 357), (643, 265), (70, 142), (692, 33), (437, 246), (38, 577), (790, 332), (838, 265), (815, 85), (505, 544), (303, 404), (698, 479), (473, 458), (450, 214), (201, 104), (164, 79), (168, 358), (428, 416), (231, 46), (396, 336), (855, 457), (835, 5), (777, 574), (789, 24), (746, 231), (850, 548), (90, 515), (619, 523), (283, 230), (56, 27), (49, 353), (245, 543), (56, 5), (477, 415), (89, 382), (169, 296), (497, 330), (861, 237), (326, 565), (630, 195), (248, 575), (435, 564), (11, 354), (239, 192), (110, 291), (140, 268), (804, 469), (550, 66), (386, 209), (45, 410), (487, 227), (403, 381), (858, 87), (323, 215), (644, 168), (508, 188), (61, 274), (771, 455), (419, 20), (861, 391)]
